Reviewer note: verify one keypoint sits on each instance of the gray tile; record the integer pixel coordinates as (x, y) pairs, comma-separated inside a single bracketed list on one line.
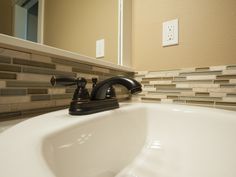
[(179, 78), (225, 103), (5, 59), (12, 91), (61, 96), (33, 63), (200, 73), (12, 68), (40, 97), (200, 102), (227, 85), (202, 69), (165, 86), (172, 97), (231, 94), (150, 99), (202, 94), (27, 84), (193, 81), (47, 72), (9, 115), (228, 76), (231, 67), (37, 91), (4, 75), (221, 81)]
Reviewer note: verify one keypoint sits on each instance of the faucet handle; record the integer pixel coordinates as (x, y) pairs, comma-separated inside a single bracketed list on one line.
[(94, 80), (81, 93), (81, 82)]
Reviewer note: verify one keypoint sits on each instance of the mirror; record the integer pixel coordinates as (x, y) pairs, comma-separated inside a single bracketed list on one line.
[(73, 25)]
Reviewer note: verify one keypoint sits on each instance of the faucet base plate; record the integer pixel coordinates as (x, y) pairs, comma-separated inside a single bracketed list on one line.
[(94, 106)]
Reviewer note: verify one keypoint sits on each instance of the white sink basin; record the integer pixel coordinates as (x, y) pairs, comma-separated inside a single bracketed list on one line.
[(136, 140)]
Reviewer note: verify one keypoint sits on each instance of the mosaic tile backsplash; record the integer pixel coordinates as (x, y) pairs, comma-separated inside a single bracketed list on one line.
[(213, 86), (25, 82)]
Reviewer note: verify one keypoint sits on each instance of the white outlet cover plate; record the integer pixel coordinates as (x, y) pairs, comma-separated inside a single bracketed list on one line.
[(100, 48), (170, 33)]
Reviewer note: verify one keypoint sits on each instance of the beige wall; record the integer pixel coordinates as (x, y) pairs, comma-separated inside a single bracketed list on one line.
[(127, 33), (207, 31), (6, 17), (75, 25)]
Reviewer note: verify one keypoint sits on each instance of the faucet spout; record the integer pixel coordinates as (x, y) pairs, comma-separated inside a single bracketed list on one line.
[(100, 90)]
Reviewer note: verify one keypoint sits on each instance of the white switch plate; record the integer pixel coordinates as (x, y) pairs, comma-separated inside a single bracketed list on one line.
[(170, 32), (100, 48)]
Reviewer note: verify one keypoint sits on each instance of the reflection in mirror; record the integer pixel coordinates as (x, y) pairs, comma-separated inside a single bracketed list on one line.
[(19, 18), (6, 17), (73, 25), (76, 25), (25, 19)]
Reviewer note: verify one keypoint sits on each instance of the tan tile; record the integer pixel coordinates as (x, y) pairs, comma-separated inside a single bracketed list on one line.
[(163, 74), (63, 102), (200, 89), (232, 81), (216, 94), (40, 58), (172, 74), (53, 91), (160, 82), (102, 70), (229, 72), (229, 99), (187, 93), (166, 100), (204, 85), (217, 68), (149, 89), (87, 76), (205, 77), (183, 86), (123, 96), (1, 50), (2, 84), (63, 68), (156, 96), (32, 105), (222, 90), (187, 70), (33, 77), (5, 107), (13, 53), (14, 99), (139, 79), (156, 74), (141, 73)]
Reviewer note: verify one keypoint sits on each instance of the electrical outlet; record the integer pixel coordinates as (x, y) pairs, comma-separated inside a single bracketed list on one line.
[(100, 48), (170, 33)]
